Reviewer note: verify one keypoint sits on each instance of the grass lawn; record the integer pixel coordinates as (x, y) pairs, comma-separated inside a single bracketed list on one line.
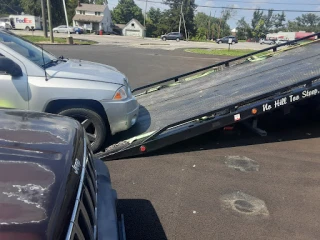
[(59, 40), (220, 52)]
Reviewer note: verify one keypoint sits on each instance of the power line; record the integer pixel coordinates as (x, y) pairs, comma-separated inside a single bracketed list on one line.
[(264, 9), (243, 8), (8, 7), (263, 2)]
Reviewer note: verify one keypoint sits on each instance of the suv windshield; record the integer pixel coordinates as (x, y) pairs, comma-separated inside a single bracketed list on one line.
[(26, 49)]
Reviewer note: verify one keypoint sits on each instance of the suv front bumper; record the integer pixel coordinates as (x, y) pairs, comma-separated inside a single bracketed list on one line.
[(108, 225), (121, 114)]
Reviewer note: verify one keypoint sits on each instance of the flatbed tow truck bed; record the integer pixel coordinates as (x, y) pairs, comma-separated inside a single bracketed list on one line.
[(225, 95)]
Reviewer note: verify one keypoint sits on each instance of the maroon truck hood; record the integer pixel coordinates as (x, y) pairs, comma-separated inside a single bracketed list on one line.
[(36, 152)]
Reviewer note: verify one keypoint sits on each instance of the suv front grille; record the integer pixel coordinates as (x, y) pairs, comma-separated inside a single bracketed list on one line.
[(83, 225)]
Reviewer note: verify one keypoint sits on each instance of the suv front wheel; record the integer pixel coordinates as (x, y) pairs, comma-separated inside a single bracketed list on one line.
[(164, 39), (92, 122)]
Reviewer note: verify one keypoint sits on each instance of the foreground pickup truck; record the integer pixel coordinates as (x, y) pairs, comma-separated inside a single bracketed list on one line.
[(96, 95), (51, 186)]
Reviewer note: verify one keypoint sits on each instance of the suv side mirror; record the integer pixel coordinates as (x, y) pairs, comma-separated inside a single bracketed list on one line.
[(10, 67)]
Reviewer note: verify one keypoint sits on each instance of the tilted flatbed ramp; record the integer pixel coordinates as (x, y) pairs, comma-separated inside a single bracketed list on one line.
[(182, 110)]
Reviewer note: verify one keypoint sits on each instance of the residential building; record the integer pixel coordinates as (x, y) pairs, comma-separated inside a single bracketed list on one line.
[(93, 17), (134, 28)]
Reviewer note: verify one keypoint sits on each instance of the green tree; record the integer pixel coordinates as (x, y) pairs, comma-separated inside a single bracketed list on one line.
[(202, 21), (188, 9), (163, 26), (153, 21), (125, 11), (32, 7), (262, 24), (101, 2), (10, 7), (306, 22), (259, 30), (257, 16), (279, 21), (244, 30), (210, 27), (222, 28), (268, 21)]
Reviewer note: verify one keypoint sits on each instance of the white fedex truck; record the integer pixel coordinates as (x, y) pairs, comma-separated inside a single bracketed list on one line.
[(26, 22)]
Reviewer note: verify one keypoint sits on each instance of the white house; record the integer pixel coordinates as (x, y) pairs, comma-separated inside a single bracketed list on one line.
[(93, 17), (134, 28), (234, 32)]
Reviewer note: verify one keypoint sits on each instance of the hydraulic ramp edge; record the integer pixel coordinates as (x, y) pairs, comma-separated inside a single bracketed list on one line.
[(215, 100)]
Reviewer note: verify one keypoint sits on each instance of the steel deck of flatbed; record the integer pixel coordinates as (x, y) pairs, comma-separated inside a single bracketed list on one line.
[(230, 86)]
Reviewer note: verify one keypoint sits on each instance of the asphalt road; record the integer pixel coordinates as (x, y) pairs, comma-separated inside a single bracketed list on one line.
[(222, 185), (141, 66)]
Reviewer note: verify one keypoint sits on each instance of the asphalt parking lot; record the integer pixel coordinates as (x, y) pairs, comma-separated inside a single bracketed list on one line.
[(147, 43), (224, 184), (141, 66)]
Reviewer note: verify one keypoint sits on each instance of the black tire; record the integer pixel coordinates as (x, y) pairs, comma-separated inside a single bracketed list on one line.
[(92, 122), (164, 39), (27, 28)]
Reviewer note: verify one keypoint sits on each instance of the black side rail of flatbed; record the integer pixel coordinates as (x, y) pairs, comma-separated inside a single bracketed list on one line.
[(188, 128), (225, 63)]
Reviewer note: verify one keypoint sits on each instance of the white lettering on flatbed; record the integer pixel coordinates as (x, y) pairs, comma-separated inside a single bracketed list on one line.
[(308, 93), (290, 99), (293, 98), (266, 107), (280, 102)]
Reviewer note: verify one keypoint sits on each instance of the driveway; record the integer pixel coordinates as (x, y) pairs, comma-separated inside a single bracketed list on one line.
[(222, 185)]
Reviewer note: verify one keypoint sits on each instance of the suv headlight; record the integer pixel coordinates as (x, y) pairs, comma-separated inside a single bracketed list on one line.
[(120, 94)]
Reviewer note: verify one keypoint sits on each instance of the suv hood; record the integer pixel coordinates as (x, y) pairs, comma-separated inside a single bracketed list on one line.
[(85, 70), (37, 151)]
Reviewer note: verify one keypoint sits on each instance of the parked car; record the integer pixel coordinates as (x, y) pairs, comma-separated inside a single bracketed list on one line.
[(51, 186), (63, 29), (280, 41), (172, 36), (267, 41), (78, 30), (226, 40), (97, 95), (5, 25)]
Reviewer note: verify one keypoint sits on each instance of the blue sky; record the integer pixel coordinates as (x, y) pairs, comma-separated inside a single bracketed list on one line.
[(267, 4)]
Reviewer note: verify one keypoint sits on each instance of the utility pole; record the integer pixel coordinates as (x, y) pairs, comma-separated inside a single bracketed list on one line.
[(44, 19), (185, 29), (180, 16), (214, 15), (209, 26), (145, 13), (222, 14), (50, 20), (66, 15)]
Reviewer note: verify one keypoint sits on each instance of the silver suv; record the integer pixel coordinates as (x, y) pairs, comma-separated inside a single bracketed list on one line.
[(96, 95)]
